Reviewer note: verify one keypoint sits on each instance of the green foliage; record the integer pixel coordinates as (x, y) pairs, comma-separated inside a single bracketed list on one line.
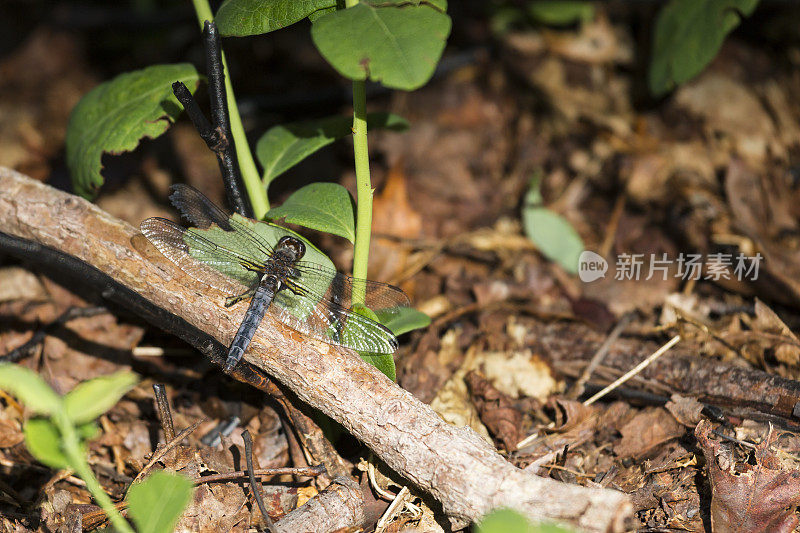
[(92, 398), (116, 115), (550, 232), (283, 146), (403, 319), (44, 442), (58, 441), (508, 521), (561, 12), (156, 504), (383, 362), (321, 206), (239, 18), (395, 43), (29, 388), (688, 35)]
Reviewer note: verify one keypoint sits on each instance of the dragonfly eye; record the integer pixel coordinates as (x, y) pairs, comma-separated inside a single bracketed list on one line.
[(294, 244)]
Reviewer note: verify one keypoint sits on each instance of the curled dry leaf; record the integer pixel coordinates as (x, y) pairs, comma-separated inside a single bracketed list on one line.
[(779, 338), (497, 413), (758, 497)]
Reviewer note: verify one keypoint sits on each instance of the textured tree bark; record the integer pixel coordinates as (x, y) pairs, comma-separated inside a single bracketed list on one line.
[(452, 464), (338, 507)]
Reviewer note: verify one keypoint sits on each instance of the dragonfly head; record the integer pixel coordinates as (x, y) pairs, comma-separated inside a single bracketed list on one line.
[(294, 244)]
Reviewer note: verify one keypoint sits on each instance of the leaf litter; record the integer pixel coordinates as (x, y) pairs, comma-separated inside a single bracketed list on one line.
[(711, 168)]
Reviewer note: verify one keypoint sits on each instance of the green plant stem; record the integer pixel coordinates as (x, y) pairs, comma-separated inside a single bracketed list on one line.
[(363, 189), (77, 460), (247, 165)]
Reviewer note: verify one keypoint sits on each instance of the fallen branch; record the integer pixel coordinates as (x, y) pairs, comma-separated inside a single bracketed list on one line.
[(452, 464)]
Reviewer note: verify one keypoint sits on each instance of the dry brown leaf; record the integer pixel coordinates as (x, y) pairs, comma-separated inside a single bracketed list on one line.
[(647, 430), (756, 498), (685, 410), (497, 413)]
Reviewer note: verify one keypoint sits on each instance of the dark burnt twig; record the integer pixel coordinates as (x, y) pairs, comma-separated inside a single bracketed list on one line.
[(164, 412), (27, 348), (254, 485), (305, 471), (217, 134)]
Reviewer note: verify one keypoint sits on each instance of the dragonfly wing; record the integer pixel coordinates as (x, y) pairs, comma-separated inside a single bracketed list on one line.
[(201, 258), (332, 323), (204, 214), (322, 283)]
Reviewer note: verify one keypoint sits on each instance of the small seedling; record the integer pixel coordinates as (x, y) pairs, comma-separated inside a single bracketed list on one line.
[(56, 436)]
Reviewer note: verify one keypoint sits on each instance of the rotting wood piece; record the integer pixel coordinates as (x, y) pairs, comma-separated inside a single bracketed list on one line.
[(454, 465), (681, 370)]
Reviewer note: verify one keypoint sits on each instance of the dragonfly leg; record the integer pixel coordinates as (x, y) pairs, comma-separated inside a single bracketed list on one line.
[(233, 300)]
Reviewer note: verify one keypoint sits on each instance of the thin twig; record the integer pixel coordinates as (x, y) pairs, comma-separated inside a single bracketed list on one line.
[(229, 164), (164, 413), (161, 452), (254, 485), (580, 384), (635, 370), (307, 471), (20, 352), (216, 133)]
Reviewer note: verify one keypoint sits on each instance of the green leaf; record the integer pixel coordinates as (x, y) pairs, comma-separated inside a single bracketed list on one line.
[(116, 115), (282, 147), (509, 521), (321, 206), (561, 12), (550, 232), (238, 18), (92, 398), (397, 45), (403, 319), (156, 504), (383, 362), (88, 431), (30, 389), (44, 442), (688, 35)]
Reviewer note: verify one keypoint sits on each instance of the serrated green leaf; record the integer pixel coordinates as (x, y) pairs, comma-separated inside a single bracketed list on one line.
[(283, 146), (550, 232), (238, 18), (44, 442), (561, 12), (30, 389), (92, 398), (396, 45), (324, 207), (688, 35), (156, 504), (509, 521), (403, 319), (116, 115)]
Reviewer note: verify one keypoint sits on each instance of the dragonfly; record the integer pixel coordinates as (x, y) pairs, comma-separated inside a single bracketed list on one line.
[(271, 266)]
